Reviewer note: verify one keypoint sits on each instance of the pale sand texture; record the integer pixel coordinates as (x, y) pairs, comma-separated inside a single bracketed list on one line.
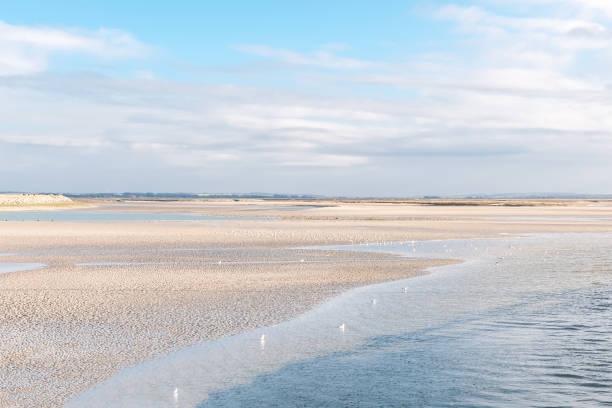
[(32, 199), (69, 326), (32, 202)]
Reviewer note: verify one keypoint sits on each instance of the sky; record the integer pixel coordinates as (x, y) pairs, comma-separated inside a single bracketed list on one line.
[(352, 98)]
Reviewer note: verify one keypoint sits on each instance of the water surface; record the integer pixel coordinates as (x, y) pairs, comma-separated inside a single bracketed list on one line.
[(82, 215), (523, 322), (8, 267)]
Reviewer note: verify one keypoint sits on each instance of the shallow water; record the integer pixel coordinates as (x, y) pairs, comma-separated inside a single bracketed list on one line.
[(277, 261), (284, 208), (551, 218), (82, 215), (6, 267), (523, 322)]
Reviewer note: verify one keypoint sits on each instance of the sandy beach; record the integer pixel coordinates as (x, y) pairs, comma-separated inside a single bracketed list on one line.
[(115, 294)]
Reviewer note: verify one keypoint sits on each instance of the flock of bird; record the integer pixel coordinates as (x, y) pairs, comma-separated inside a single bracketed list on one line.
[(342, 327)]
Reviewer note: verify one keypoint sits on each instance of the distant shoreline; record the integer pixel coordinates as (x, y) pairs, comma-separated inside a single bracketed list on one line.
[(140, 195)]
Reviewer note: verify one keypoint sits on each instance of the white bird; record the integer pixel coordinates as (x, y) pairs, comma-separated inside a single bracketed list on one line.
[(404, 290), (342, 326), (262, 338), (373, 301), (175, 394)]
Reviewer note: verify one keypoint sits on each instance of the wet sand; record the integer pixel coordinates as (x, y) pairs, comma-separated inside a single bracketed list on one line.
[(115, 294)]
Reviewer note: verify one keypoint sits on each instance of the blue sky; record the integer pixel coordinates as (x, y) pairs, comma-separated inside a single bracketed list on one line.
[(389, 98), (192, 38)]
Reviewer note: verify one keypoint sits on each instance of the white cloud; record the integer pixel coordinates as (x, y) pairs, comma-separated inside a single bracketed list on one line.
[(323, 58), (587, 9), (534, 41), (474, 18), (26, 50)]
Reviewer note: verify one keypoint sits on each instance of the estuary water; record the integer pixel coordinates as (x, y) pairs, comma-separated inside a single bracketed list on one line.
[(100, 216), (522, 322), (8, 267)]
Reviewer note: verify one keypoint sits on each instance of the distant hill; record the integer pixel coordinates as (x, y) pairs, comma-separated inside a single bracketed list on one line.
[(312, 196), (275, 196)]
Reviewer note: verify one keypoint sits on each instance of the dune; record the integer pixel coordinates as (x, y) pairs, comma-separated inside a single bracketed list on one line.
[(18, 202)]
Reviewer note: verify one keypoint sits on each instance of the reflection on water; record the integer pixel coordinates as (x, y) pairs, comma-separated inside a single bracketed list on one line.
[(80, 216), (523, 322)]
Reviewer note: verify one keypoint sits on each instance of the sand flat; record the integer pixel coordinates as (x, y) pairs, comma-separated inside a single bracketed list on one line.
[(160, 286)]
